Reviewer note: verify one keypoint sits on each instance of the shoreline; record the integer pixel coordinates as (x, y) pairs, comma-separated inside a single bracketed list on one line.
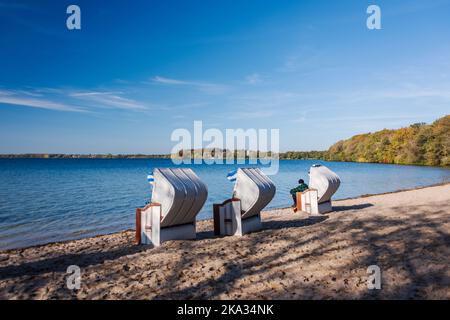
[(165, 157), (405, 233), (268, 211)]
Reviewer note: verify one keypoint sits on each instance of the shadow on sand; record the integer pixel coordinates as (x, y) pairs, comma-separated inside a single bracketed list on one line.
[(354, 207), (264, 264)]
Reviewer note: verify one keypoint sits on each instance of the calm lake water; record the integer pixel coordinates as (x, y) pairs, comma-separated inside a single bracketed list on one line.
[(59, 199)]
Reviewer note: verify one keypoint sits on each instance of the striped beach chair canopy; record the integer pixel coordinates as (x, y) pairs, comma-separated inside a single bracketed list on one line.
[(180, 193)]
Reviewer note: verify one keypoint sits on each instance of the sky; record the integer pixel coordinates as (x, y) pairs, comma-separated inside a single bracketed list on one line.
[(137, 70)]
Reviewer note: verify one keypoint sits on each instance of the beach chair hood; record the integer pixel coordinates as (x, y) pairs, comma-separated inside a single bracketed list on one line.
[(325, 181), (254, 189), (180, 193)]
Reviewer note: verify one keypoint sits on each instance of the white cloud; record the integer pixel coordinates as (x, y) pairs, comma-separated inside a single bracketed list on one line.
[(254, 78), (6, 93), (92, 93), (210, 88), (69, 100), (164, 80), (12, 99), (109, 99)]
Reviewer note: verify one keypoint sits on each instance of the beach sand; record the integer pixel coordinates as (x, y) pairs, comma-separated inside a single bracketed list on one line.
[(295, 257)]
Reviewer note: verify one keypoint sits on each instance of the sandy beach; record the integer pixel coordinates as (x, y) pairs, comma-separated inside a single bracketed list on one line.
[(407, 234)]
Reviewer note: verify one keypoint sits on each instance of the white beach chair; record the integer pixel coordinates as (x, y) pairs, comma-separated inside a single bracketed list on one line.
[(242, 213), (323, 184), (178, 196)]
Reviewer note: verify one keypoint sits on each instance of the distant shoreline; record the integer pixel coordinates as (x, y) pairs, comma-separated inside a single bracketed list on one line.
[(301, 155), (384, 147), (83, 156), (168, 157)]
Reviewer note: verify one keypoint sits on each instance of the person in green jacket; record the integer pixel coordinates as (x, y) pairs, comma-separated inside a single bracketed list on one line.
[(302, 186)]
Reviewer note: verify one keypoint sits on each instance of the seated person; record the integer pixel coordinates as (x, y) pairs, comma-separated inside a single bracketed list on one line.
[(300, 188)]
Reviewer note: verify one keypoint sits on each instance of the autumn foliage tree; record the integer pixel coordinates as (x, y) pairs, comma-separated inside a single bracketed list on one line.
[(419, 143)]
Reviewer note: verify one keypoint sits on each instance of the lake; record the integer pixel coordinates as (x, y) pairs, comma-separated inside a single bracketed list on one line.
[(46, 200)]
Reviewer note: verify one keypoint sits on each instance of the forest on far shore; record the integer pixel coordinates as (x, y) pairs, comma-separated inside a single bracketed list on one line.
[(419, 144)]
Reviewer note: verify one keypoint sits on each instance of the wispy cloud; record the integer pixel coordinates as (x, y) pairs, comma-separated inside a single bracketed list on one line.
[(164, 80), (109, 99), (192, 105), (207, 87), (253, 78), (69, 100), (93, 93), (12, 98)]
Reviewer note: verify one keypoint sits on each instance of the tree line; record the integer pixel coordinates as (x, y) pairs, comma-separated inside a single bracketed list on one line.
[(419, 144)]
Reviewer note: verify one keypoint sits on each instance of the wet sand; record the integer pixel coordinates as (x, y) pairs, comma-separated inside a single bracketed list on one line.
[(407, 234)]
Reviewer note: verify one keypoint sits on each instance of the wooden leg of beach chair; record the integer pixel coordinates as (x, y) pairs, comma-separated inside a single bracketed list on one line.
[(314, 204), (156, 226), (227, 218), (223, 210), (148, 222), (138, 226), (216, 216), (298, 202), (145, 225), (309, 202), (304, 201), (237, 218)]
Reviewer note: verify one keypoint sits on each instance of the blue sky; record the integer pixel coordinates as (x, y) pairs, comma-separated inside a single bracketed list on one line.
[(137, 70)]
